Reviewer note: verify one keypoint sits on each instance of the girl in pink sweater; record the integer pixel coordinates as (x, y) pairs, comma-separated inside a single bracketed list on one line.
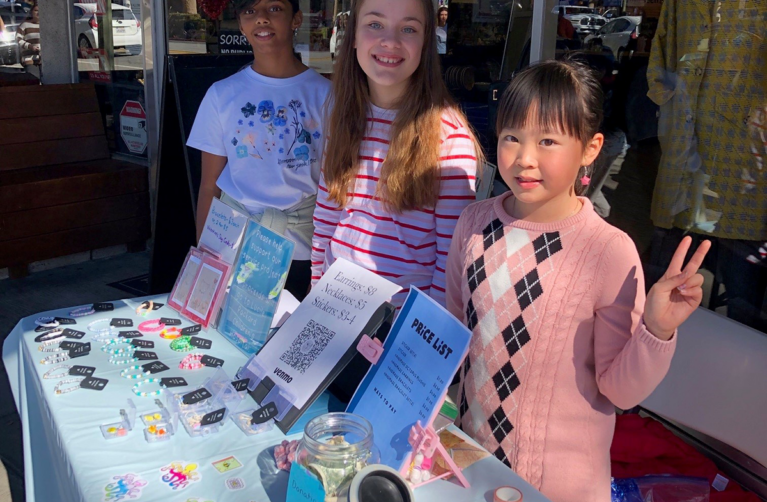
[(555, 297)]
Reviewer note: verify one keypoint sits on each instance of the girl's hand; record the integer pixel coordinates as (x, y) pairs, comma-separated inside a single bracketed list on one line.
[(677, 294)]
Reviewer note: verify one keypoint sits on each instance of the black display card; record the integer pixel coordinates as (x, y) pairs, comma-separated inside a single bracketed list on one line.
[(155, 367), (169, 321), (191, 330), (241, 385), (121, 323), (73, 333), (213, 417), (211, 361), (94, 383), (200, 343), (264, 414), (69, 345), (81, 370), (196, 396), (82, 350), (65, 320), (142, 344), (145, 355), (171, 382), (130, 334), (103, 307)]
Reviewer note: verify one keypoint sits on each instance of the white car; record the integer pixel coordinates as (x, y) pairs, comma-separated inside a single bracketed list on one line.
[(126, 32), (616, 35), (585, 19)]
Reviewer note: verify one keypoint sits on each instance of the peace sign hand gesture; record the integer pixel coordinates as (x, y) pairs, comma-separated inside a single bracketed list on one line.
[(677, 294)]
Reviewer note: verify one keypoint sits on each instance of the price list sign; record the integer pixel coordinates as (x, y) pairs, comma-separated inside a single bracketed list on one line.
[(421, 354)]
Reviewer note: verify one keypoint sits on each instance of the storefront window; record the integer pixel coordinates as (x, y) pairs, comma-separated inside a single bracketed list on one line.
[(20, 41), (114, 61), (210, 27), (685, 129)]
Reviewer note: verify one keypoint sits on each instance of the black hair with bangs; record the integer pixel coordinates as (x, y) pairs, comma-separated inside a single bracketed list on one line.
[(564, 96)]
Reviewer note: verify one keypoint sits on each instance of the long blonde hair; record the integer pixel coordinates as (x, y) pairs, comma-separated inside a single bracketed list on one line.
[(410, 173)]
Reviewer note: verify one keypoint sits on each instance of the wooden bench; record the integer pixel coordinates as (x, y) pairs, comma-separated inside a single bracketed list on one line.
[(60, 192)]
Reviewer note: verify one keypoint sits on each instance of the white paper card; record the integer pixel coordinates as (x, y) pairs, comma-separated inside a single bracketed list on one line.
[(326, 324), (223, 231), (286, 306)]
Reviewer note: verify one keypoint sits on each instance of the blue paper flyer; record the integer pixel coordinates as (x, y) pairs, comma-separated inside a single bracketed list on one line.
[(258, 277), (423, 351)]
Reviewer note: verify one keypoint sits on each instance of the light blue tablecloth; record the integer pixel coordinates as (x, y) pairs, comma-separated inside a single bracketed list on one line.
[(67, 459)]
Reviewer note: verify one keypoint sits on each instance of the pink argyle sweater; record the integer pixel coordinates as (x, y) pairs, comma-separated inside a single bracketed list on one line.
[(555, 312)]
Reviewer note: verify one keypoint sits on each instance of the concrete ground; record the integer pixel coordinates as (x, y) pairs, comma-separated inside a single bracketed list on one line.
[(67, 286)]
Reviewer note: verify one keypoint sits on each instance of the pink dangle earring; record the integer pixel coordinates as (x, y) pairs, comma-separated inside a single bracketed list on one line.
[(585, 179)]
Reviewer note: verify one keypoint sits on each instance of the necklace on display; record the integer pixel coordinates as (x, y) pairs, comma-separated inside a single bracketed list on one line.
[(82, 311), (58, 390), (51, 373), (47, 322), (55, 358)]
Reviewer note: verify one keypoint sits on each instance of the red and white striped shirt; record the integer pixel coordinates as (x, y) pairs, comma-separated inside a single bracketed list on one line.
[(408, 248)]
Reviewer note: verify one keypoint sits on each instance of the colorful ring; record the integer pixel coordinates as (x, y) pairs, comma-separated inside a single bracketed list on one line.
[(143, 310), (182, 344), (145, 382), (152, 326), (170, 333), (191, 362)]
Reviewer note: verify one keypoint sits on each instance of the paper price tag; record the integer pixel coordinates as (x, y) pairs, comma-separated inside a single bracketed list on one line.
[(191, 330), (144, 355), (81, 370), (241, 385), (142, 344), (213, 417), (103, 307), (94, 383), (130, 334), (211, 361), (200, 343), (83, 350), (171, 382), (69, 345), (121, 323), (65, 320), (73, 333), (196, 396), (155, 367), (168, 321)]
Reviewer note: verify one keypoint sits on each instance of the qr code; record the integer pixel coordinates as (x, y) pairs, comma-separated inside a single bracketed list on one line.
[(307, 346)]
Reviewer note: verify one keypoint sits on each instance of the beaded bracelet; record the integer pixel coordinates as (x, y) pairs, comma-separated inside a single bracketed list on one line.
[(143, 310), (105, 334), (182, 344), (48, 343), (93, 324), (55, 358), (122, 359), (47, 322), (50, 348), (146, 381), (52, 334), (191, 362), (50, 374), (170, 333), (82, 311), (152, 326), (130, 349), (58, 390), (130, 373)]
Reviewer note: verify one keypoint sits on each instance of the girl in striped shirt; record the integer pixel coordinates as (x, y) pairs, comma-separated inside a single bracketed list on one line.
[(400, 161)]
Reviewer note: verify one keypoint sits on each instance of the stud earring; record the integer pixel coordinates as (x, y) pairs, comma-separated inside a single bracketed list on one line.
[(585, 179)]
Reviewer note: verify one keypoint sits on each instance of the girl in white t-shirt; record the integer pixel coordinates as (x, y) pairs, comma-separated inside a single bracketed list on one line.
[(260, 133)]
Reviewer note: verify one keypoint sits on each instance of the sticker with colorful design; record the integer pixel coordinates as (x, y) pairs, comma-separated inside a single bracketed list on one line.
[(127, 486), (179, 475)]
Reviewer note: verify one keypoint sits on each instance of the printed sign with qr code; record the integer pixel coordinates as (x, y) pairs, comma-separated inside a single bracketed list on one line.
[(307, 346)]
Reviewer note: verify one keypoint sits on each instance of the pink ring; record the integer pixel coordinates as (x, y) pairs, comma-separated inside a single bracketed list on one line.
[(152, 326), (191, 362)]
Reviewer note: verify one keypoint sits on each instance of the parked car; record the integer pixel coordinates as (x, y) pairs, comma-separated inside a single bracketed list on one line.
[(617, 35), (588, 24), (126, 33), (12, 14)]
